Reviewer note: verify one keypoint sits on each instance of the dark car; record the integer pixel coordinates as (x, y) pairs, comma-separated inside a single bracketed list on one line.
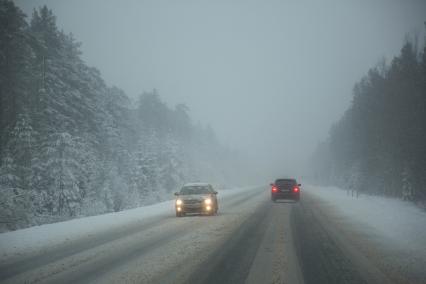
[(285, 188), (196, 198)]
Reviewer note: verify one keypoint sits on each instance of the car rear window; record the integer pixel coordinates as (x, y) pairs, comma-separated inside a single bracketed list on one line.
[(284, 182), (195, 190)]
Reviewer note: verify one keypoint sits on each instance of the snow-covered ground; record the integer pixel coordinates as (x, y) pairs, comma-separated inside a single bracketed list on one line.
[(34, 239), (400, 223)]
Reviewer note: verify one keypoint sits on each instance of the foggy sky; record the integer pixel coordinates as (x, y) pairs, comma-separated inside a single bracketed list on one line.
[(270, 77)]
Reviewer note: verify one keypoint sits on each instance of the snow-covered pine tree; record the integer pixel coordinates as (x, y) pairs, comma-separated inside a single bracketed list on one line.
[(66, 165), (17, 171), (15, 68), (145, 176), (171, 172), (14, 200)]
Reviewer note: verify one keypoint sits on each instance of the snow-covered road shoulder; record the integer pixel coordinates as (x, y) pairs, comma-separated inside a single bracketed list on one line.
[(400, 222), (388, 232)]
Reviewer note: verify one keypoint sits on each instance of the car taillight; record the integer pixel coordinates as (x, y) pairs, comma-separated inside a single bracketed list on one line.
[(296, 189), (274, 189)]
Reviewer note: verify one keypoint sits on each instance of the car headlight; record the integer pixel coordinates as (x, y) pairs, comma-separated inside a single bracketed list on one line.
[(208, 201), (179, 202)]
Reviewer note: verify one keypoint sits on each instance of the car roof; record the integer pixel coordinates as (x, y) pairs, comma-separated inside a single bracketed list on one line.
[(197, 184), (285, 179)]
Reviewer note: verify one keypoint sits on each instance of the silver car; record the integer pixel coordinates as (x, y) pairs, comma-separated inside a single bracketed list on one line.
[(196, 198)]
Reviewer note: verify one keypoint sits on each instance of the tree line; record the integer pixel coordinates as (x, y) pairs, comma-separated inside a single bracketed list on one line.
[(72, 146), (379, 145)]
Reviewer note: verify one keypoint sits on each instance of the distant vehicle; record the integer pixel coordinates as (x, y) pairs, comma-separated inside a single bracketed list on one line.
[(196, 198), (285, 188)]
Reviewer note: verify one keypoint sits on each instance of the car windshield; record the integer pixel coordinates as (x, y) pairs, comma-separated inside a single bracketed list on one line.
[(195, 190)]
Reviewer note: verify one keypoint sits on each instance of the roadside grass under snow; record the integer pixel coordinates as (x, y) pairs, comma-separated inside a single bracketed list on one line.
[(400, 222)]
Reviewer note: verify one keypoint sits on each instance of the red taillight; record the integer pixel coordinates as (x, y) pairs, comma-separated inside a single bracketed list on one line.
[(296, 189), (274, 189)]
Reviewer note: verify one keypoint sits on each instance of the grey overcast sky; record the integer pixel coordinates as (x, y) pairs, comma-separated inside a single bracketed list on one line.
[(270, 77)]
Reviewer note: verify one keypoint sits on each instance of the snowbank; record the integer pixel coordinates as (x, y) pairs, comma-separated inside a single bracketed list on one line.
[(400, 222)]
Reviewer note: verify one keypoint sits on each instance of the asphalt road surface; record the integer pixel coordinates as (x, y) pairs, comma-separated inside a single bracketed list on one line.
[(251, 240)]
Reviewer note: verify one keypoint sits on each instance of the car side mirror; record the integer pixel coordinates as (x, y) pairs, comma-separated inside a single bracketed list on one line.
[(177, 193), (215, 192), (271, 184), (299, 184)]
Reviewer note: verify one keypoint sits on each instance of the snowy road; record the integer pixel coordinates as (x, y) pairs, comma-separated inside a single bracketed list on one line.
[(252, 240)]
